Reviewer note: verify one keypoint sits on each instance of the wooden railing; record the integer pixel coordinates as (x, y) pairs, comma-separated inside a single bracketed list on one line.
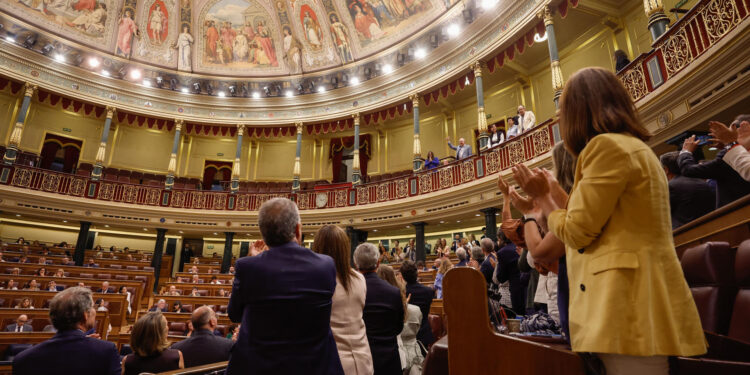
[(702, 28), (530, 145)]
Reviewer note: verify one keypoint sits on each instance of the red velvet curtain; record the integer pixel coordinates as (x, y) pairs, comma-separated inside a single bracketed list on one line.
[(213, 169), (52, 144), (338, 145)]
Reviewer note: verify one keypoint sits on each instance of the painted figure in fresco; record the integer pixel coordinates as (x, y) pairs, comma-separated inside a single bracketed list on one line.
[(341, 38), (227, 41), (125, 32), (397, 9), (381, 13), (366, 24), (184, 49), (91, 22), (82, 5), (158, 24), (312, 29), (292, 51), (266, 44), (240, 47), (212, 37)]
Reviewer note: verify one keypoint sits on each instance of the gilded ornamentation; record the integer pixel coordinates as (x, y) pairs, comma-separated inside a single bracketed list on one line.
[(557, 77), (363, 195), (178, 199), (493, 161), (720, 16), (106, 191), (635, 82), (50, 182), (382, 191), (243, 201), (199, 199), (21, 178), (220, 201), (153, 196), (676, 53), (467, 171), (516, 152), (340, 198), (541, 141), (446, 178), (402, 188), (425, 183), (77, 187), (129, 193)]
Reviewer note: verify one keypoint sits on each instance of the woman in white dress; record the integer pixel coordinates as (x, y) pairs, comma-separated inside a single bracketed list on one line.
[(347, 324)]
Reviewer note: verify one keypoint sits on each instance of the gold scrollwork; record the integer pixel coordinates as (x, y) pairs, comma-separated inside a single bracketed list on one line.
[(220, 201), (635, 82), (720, 16), (446, 178), (382, 191), (402, 188), (106, 191), (363, 195), (676, 53), (152, 197), (467, 171), (340, 198), (77, 187), (516, 152), (178, 199), (425, 183), (541, 141), (50, 182), (493, 161), (21, 178)]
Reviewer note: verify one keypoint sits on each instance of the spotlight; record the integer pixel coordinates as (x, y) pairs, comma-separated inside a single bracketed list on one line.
[(185, 90), (173, 84), (266, 90), (387, 69), (453, 30), (289, 93), (196, 87), (400, 58), (59, 57), (434, 40), (354, 81), (420, 53), (10, 38), (468, 16), (256, 95), (105, 73), (488, 4), (209, 89), (159, 81), (93, 62), (135, 74), (47, 49), (146, 83), (221, 94), (232, 90), (540, 38), (30, 40), (321, 89)]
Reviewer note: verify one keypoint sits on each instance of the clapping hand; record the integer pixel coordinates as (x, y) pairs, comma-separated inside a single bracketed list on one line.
[(534, 183), (522, 204), (690, 144), (722, 134), (502, 186), (257, 247), (743, 134)]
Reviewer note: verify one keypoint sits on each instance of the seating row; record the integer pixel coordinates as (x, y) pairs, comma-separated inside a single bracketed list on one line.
[(117, 303), (146, 277)]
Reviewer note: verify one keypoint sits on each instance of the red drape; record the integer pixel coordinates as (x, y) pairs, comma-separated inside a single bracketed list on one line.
[(338, 145), (213, 169), (53, 143)]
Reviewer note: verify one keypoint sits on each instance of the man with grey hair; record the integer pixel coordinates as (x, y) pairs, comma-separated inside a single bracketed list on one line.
[(461, 254), (72, 313), (383, 313), (463, 150), (203, 346), (487, 266), (282, 297)]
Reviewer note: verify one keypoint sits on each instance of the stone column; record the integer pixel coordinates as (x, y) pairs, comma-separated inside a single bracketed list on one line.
[(236, 164), (172, 168), (96, 173), (298, 153), (418, 160), (11, 152), (356, 176), (226, 259), (419, 240), (490, 222), (657, 20), (83, 236), (156, 259), (557, 78), (484, 137)]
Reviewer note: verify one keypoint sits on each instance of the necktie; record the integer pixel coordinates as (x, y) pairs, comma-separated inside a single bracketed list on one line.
[(18, 328)]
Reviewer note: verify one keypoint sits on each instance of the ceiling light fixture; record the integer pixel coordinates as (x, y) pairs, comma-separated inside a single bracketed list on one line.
[(65, 221), (453, 30), (106, 225), (10, 39), (488, 4), (185, 90), (105, 73), (420, 53), (354, 81), (18, 215), (135, 74), (289, 93), (93, 62), (539, 39), (387, 69), (59, 57), (256, 95), (221, 94), (146, 83), (321, 89)]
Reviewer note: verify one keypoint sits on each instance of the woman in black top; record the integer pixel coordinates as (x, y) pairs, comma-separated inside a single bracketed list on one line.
[(149, 342)]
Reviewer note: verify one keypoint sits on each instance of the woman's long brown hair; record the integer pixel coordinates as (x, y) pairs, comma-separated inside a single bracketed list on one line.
[(333, 241), (595, 102)]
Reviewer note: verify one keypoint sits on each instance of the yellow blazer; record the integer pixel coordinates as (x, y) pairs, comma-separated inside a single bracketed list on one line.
[(628, 294)]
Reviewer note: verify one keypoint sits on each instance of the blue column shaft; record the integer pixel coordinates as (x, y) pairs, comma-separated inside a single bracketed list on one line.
[(239, 147), (299, 145), (480, 91), (176, 142), (552, 43), (25, 104), (416, 120), (105, 132)]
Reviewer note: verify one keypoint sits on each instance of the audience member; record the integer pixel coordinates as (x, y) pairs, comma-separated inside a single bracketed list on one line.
[(738, 141), (195, 292), (496, 137), (25, 303), (410, 251), (161, 306), (512, 127), (31, 285), (456, 242), (52, 286), (421, 296), (188, 328), (124, 290), (385, 256), (296, 283), (445, 265), (383, 312), (487, 266), (461, 254), (59, 273), (150, 344), (203, 347), (729, 184), (231, 270), (615, 182), (41, 272), (196, 279), (91, 263), (689, 198), (621, 60), (431, 162), (421, 267), (410, 354), (347, 324), (477, 256), (463, 150), (20, 325), (177, 307), (104, 288), (72, 313), (526, 119), (507, 271), (172, 291)]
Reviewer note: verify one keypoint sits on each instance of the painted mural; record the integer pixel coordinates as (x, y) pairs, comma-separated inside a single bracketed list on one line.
[(374, 20), (238, 34), (84, 20), (161, 40), (312, 31)]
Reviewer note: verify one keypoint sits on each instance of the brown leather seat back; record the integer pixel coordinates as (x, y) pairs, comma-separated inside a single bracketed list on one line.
[(709, 271), (177, 328), (739, 325), (436, 323)]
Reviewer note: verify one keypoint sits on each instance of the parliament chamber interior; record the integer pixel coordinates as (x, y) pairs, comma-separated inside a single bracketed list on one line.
[(380, 187)]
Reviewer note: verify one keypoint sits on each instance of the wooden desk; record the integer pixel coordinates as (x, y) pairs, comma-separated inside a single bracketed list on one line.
[(40, 299), (217, 303), (206, 277), (187, 288), (39, 318), (730, 223)]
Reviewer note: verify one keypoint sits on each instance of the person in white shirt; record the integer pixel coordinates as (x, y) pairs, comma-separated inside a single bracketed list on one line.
[(463, 150), (512, 127), (526, 119), (737, 138), (496, 137)]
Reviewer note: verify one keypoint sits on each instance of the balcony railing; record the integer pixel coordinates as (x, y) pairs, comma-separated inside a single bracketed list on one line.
[(688, 39), (532, 144)]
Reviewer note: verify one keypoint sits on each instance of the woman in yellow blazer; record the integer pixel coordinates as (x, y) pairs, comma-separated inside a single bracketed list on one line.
[(629, 301)]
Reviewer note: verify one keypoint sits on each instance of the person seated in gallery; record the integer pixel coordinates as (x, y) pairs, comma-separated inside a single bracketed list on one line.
[(72, 313), (431, 161), (105, 288), (203, 347), (21, 325), (91, 263), (216, 186), (161, 305), (496, 137)]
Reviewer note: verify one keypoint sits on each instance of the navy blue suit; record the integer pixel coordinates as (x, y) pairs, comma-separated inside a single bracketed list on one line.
[(70, 352), (283, 299), (384, 319), (422, 296)]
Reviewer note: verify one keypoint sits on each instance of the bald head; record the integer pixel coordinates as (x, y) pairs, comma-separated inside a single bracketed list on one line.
[(461, 141), (487, 245), (204, 318)]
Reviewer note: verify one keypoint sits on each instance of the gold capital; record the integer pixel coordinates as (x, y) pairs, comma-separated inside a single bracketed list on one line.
[(356, 119), (652, 6), (477, 66), (111, 112), (29, 89), (414, 100), (178, 124), (240, 130), (547, 16), (299, 125)]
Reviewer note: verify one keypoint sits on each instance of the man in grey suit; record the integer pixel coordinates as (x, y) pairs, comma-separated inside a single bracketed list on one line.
[(203, 347), (20, 325), (463, 150)]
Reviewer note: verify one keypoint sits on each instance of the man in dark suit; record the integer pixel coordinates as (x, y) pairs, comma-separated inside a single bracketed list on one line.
[(507, 270), (383, 313), (421, 296), (203, 347), (104, 288), (729, 184), (689, 198), (70, 351), (20, 325), (282, 296)]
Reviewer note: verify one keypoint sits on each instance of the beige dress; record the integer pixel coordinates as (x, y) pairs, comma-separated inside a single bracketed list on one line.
[(349, 328)]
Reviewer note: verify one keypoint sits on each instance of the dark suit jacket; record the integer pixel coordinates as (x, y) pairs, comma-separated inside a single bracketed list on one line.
[(69, 352), (422, 296), (507, 270), (729, 184), (12, 328), (283, 299), (384, 319), (203, 347), (689, 199)]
